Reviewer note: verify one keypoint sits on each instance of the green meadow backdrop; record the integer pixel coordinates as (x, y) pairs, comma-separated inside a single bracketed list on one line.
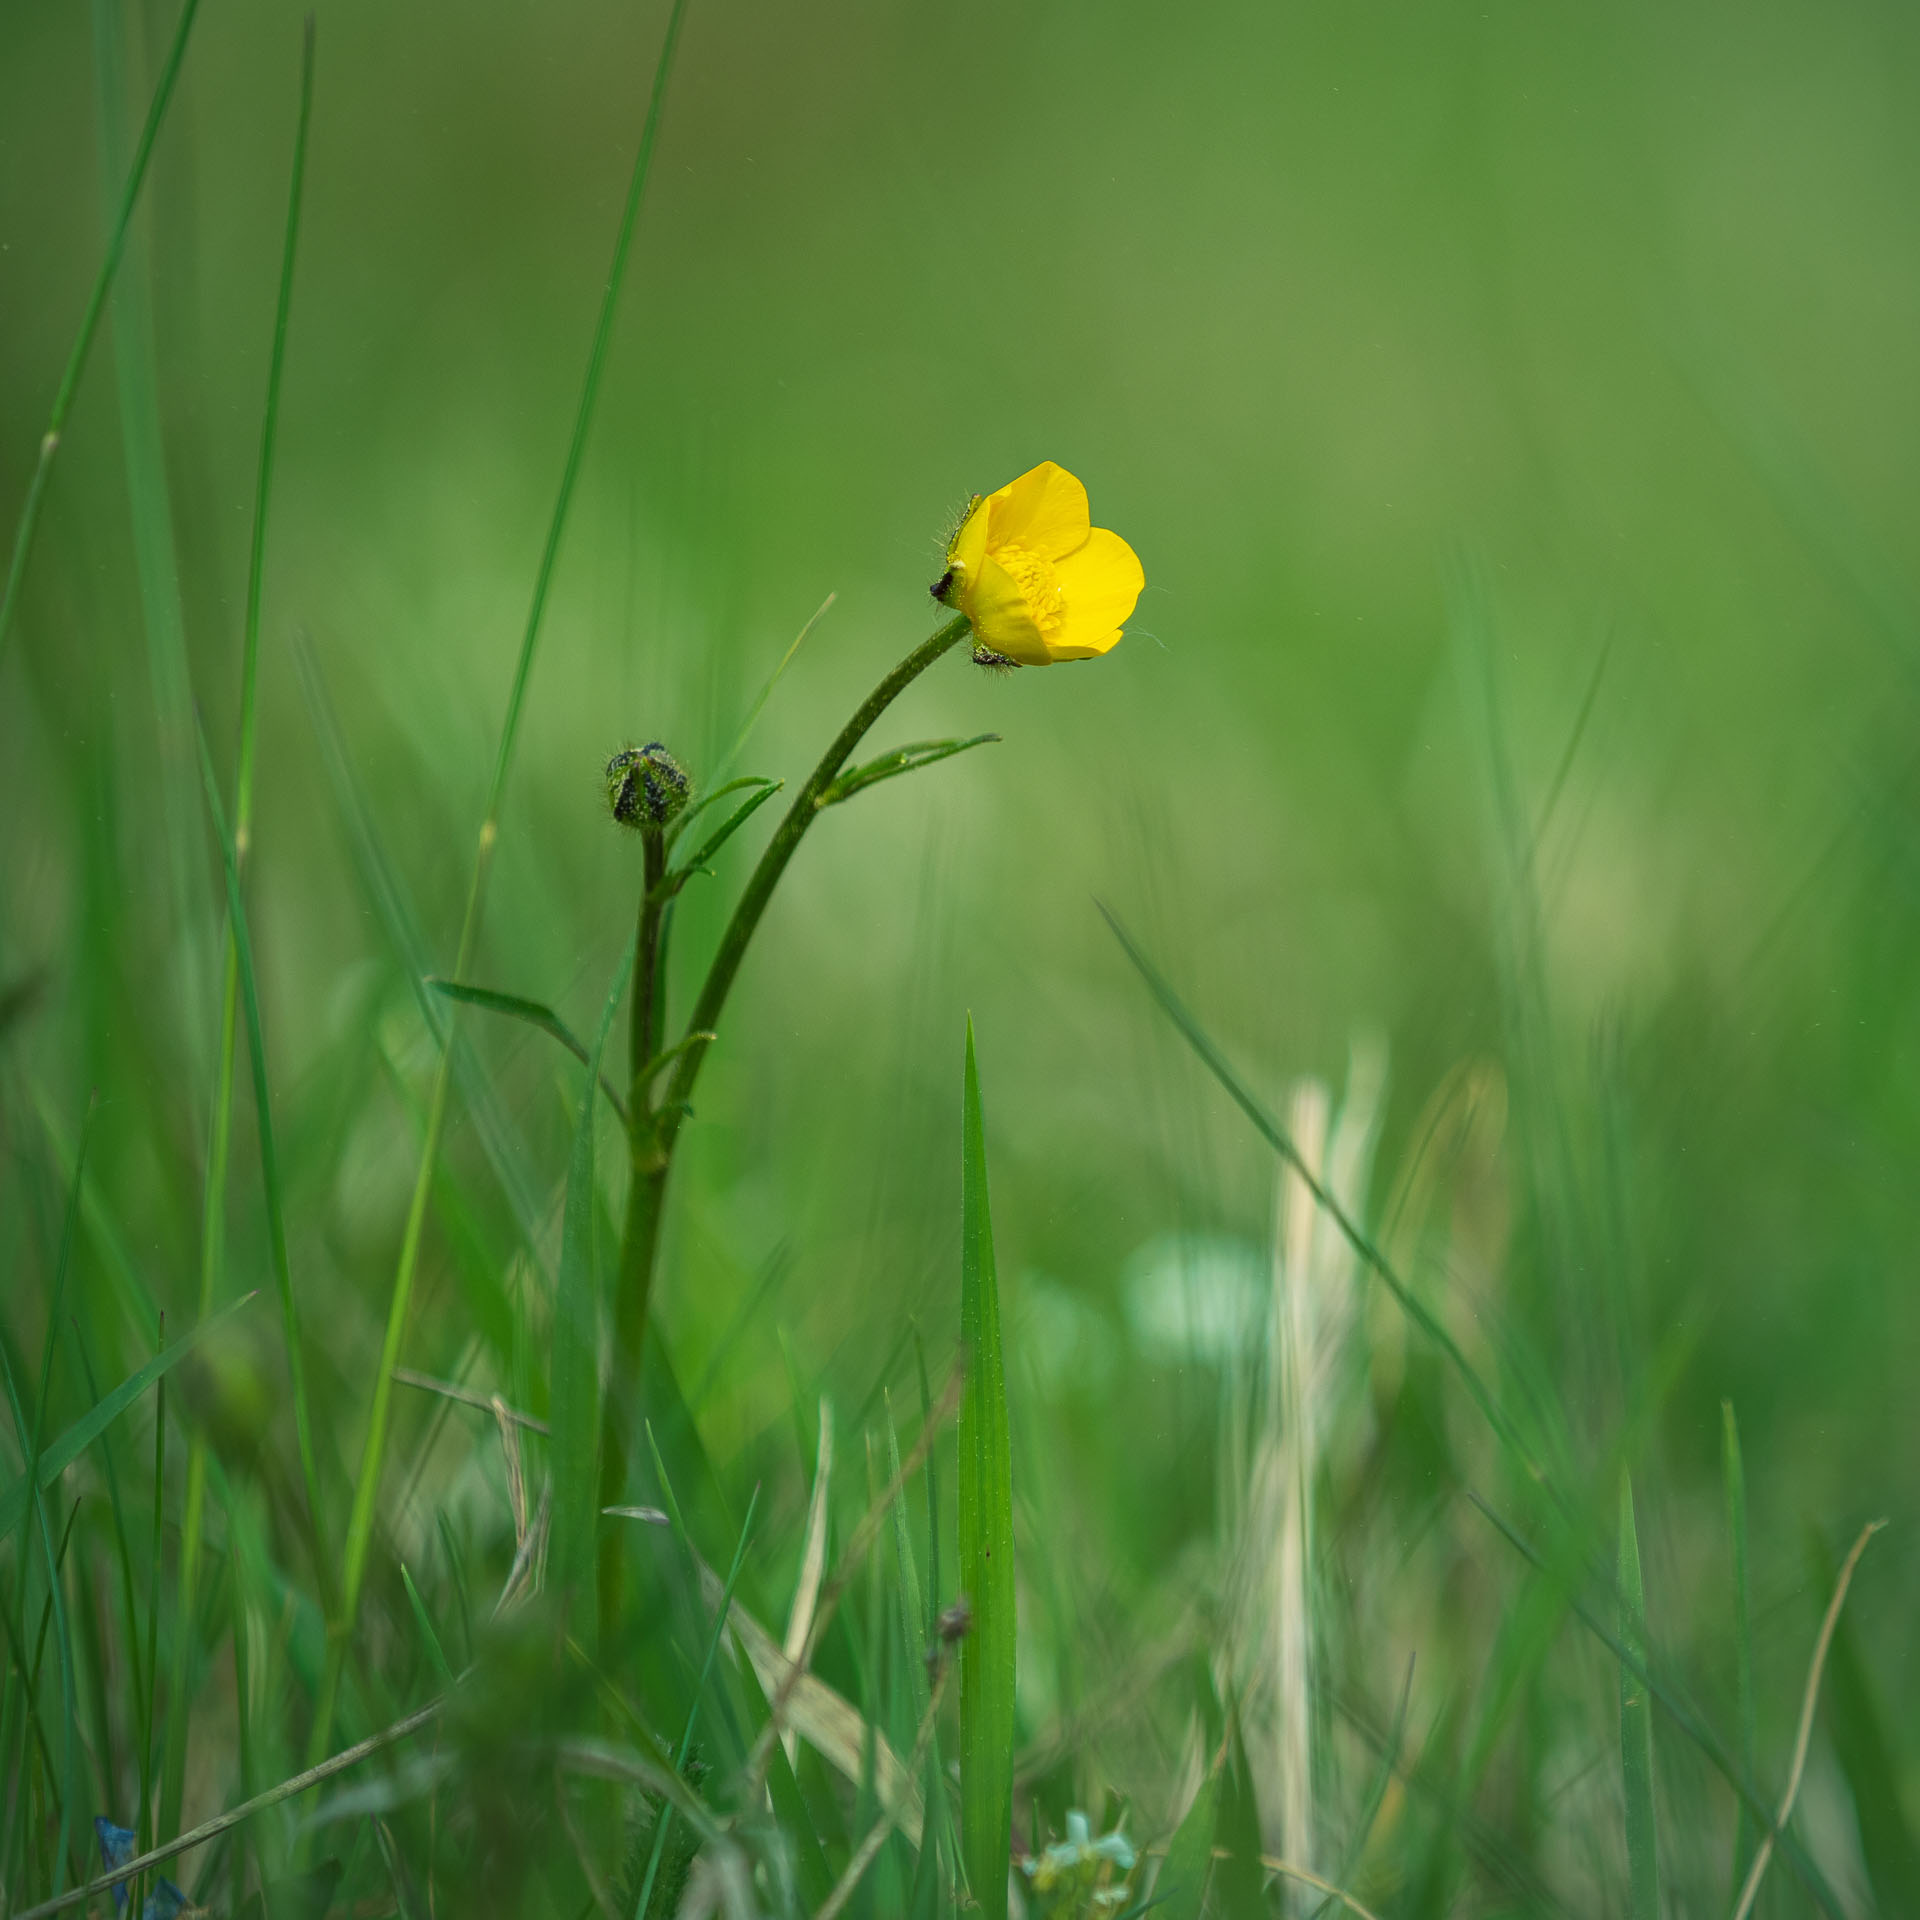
[(1513, 763)]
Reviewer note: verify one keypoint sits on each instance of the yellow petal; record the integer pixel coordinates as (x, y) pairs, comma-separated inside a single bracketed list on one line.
[(1084, 646), (992, 600), (1100, 585), (1044, 511)]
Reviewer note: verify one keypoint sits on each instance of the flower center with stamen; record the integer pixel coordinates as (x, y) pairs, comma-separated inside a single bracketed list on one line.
[(1039, 588)]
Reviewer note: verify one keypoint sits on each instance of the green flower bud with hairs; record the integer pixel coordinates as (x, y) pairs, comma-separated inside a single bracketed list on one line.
[(646, 786)]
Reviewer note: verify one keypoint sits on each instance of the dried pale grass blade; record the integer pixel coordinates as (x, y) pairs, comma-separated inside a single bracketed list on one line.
[(813, 1557), (1811, 1699), (829, 1723), (869, 1849), (1288, 1871), (813, 1560), (1288, 1465), (486, 1402), (516, 1475)]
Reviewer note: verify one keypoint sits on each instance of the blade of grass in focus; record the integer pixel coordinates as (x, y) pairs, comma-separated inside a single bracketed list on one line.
[(136, 174), (986, 1534), (574, 1397), (1636, 1726)]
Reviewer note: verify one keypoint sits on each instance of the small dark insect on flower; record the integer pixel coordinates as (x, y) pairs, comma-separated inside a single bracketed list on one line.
[(993, 662), (942, 586), (646, 786)]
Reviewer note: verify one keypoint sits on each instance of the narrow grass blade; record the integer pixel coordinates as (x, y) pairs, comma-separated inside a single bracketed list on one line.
[(263, 483), (90, 320), (663, 1826), (270, 1180), (31, 1436), (907, 759), (1747, 1705), (63, 1642), (986, 1535), (385, 892), (1182, 1884), (373, 1453), (773, 680), (1682, 1716), (575, 1390), (60, 1453), (151, 1708), (1282, 1143), (122, 1546), (1636, 1726), (170, 809), (436, 1657), (31, 1487), (1239, 1877)]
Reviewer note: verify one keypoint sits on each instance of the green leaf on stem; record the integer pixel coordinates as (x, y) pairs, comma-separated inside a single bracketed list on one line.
[(702, 801), (986, 1535), (696, 861), (536, 1014), (907, 759)]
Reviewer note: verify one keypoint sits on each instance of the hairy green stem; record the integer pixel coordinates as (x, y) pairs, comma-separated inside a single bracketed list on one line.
[(645, 1028), (654, 1126)]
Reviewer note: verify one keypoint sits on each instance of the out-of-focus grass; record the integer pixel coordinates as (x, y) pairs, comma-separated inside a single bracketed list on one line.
[(1515, 414)]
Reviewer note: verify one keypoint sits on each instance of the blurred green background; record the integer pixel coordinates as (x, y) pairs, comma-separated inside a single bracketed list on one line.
[(1517, 412)]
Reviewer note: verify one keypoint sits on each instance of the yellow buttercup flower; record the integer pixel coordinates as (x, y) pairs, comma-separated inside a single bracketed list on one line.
[(1036, 578)]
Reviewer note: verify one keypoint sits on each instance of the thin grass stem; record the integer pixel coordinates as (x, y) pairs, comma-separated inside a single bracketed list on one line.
[(1809, 1700), (90, 323)]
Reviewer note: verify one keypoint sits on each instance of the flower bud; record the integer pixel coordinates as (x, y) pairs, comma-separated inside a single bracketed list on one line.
[(646, 786)]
